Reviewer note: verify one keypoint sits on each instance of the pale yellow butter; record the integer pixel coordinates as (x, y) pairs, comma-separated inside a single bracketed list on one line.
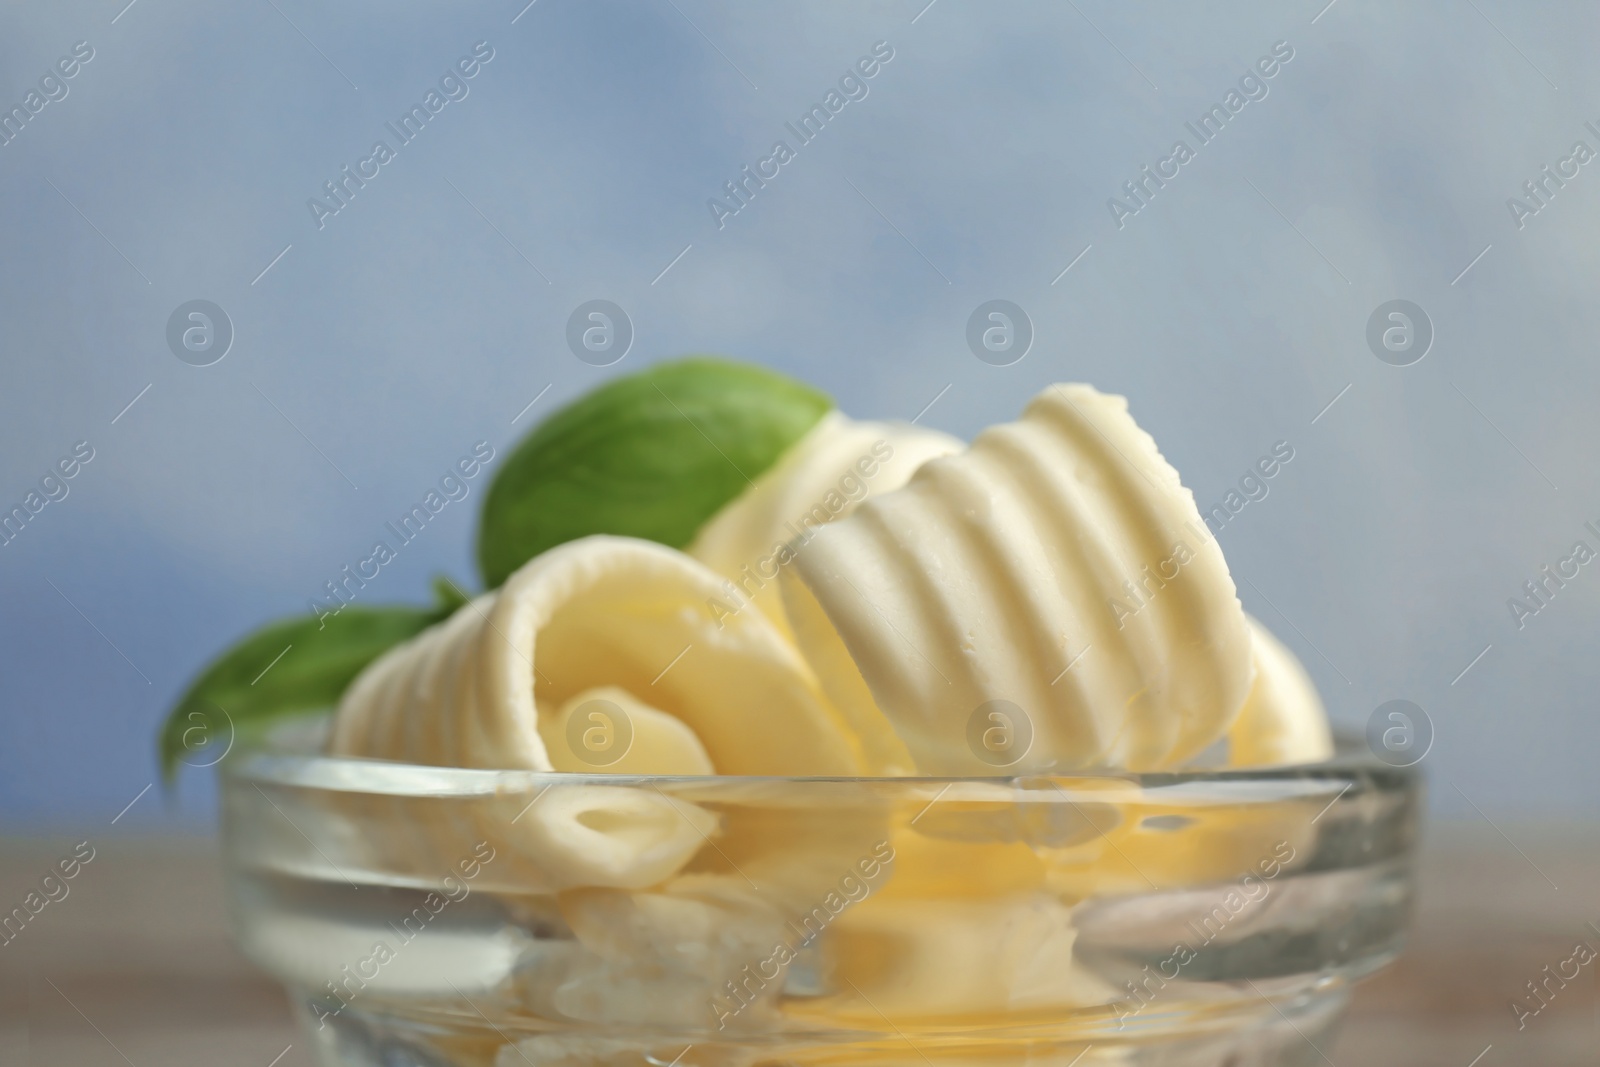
[(1058, 566)]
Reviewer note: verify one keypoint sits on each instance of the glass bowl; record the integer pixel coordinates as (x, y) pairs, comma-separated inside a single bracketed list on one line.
[(439, 916)]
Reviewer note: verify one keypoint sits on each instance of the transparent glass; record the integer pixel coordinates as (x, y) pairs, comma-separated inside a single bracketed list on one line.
[(433, 916)]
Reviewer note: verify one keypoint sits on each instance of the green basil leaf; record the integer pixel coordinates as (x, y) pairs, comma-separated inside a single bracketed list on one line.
[(448, 595), (652, 455), (291, 667)]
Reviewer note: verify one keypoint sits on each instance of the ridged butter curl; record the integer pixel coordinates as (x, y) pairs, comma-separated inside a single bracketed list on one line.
[(1057, 572)]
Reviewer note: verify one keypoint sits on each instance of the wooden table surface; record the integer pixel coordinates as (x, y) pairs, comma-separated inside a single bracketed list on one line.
[(134, 965)]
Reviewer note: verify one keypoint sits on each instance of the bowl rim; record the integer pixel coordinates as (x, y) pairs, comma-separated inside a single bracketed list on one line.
[(1351, 760)]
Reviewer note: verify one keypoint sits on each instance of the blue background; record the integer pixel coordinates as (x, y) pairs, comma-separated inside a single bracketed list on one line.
[(1230, 310)]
